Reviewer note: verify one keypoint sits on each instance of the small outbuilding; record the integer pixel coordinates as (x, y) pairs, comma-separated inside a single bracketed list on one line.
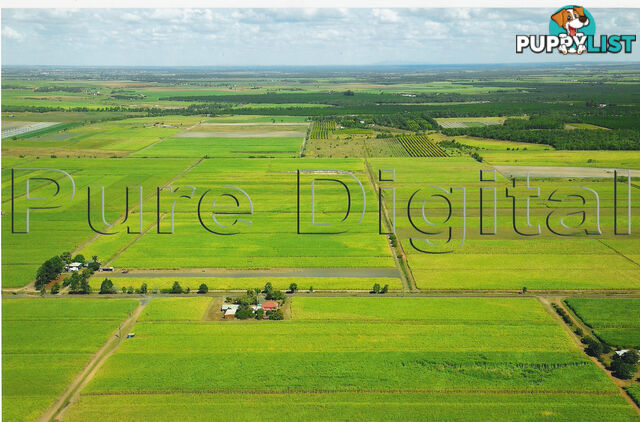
[(270, 305), (74, 266), (230, 313), (228, 306)]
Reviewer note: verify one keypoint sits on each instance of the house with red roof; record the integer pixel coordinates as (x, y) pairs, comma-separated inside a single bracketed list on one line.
[(269, 305)]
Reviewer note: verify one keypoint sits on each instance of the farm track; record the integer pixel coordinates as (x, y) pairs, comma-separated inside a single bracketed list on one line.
[(132, 242), (173, 179), (398, 391), (304, 140), (72, 393), (30, 285), (546, 302), (408, 282), (619, 253), (212, 312), (159, 140)]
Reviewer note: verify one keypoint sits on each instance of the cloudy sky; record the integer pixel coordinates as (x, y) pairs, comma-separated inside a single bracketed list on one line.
[(230, 37)]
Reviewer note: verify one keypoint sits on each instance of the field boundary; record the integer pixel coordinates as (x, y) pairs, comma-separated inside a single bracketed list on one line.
[(399, 257)]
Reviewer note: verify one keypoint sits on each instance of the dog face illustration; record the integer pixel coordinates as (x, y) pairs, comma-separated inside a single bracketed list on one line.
[(571, 19)]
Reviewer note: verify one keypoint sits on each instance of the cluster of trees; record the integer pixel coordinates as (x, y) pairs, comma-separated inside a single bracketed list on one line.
[(535, 122), (625, 366), (53, 267), (78, 282), (413, 121), (273, 294), (472, 151), (251, 297), (49, 271), (376, 289), (622, 366)]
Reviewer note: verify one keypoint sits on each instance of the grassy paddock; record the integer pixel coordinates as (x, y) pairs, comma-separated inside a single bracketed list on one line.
[(344, 355), (615, 321), (45, 343), (228, 283)]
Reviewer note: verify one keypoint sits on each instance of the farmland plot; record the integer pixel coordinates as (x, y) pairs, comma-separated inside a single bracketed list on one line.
[(425, 361), (615, 321), (268, 237), (420, 146), (55, 231), (45, 343), (232, 140), (506, 260), (322, 129)]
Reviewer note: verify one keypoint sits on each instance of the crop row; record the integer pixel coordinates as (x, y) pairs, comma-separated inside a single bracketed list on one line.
[(420, 146), (321, 129)]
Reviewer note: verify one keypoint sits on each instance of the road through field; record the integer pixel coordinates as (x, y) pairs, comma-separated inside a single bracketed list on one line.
[(72, 393)]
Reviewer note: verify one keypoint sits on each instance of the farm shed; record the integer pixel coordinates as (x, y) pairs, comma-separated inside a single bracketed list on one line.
[(230, 313), (74, 266), (228, 306)]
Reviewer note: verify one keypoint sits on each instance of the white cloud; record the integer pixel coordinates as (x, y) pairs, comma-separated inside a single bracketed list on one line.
[(12, 34), (386, 15), (280, 36)]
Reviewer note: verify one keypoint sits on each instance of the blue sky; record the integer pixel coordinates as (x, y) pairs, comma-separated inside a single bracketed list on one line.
[(238, 37)]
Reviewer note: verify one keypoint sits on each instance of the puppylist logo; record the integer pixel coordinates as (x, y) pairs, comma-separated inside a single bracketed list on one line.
[(572, 30)]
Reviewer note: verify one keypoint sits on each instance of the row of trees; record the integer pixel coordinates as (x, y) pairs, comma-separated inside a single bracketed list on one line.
[(622, 366), (576, 139)]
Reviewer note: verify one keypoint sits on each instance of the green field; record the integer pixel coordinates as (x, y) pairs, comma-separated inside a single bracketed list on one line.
[(505, 260), (432, 356), (223, 147), (607, 159), (271, 239), (46, 343), (55, 231), (615, 321), (178, 309), (335, 179), (233, 283)]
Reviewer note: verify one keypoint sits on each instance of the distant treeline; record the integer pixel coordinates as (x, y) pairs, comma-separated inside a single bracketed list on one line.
[(335, 98), (598, 139), (61, 88)]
